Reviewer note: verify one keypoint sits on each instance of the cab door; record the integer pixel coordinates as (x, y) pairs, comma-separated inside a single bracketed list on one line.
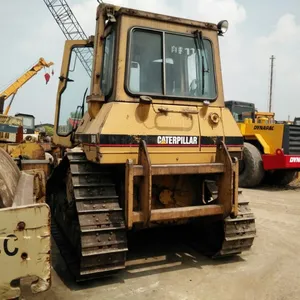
[(74, 85)]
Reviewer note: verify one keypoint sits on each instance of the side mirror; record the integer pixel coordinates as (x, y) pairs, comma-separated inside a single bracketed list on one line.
[(145, 100)]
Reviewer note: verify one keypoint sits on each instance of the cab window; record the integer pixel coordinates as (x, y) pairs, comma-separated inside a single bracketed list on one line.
[(169, 64)]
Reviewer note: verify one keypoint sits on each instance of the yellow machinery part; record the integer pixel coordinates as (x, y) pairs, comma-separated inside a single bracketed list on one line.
[(264, 144), (28, 150), (25, 248), (25, 222), (176, 191)]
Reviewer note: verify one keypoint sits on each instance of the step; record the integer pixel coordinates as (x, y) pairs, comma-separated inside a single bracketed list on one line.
[(103, 229), (90, 173), (92, 211), (101, 270), (240, 237), (86, 253), (240, 219), (79, 198), (89, 185), (79, 161), (233, 231)]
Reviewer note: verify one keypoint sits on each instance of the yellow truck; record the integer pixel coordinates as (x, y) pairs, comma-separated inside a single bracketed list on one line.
[(271, 150)]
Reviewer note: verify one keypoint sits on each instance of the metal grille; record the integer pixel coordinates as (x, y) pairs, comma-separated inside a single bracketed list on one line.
[(291, 139), (72, 30)]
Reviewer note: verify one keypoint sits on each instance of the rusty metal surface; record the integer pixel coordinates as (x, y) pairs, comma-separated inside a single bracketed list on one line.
[(145, 170), (146, 182), (175, 169), (24, 248), (226, 187), (27, 186), (24, 191), (129, 193), (9, 178), (235, 200), (29, 150), (168, 19), (39, 182), (10, 120), (180, 213)]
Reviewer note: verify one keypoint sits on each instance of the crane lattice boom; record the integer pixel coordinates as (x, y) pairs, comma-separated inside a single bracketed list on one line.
[(72, 30)]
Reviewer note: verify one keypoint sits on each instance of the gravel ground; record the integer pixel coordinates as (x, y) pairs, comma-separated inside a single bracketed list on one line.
[(270, 270)]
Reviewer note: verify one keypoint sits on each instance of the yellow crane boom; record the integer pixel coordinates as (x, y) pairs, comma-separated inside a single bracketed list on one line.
[(12, 89)]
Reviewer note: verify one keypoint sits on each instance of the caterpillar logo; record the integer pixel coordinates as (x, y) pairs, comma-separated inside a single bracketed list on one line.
[(294, 159), (258, 127), (177, 140)]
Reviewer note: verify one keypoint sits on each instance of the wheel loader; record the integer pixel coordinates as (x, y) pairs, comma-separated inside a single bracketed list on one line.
[(271, 150), (154, 147)]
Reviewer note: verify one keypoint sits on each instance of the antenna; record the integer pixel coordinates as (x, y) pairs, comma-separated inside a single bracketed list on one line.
[(271, 83)]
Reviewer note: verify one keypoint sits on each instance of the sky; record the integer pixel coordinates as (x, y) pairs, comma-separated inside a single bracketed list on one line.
[(257, 30)]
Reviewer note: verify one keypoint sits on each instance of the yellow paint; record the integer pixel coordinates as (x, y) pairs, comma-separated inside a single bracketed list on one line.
[(34, 241), (262, 141), (184, 117), (271, 140), (29, 150)]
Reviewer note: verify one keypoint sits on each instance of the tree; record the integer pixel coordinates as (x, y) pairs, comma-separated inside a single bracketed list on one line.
[(49, 130)]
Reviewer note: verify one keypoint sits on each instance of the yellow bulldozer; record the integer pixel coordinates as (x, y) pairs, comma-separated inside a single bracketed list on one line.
[(271, 149), (154, 144)]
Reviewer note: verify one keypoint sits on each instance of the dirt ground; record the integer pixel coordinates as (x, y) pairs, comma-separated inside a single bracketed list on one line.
[(172, 270)]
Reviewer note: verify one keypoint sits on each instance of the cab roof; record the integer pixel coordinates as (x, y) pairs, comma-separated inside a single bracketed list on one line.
[(118, 11), (25, 115)]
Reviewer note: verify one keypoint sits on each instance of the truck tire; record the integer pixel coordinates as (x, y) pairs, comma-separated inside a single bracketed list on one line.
[(282, 177), (252, 172)]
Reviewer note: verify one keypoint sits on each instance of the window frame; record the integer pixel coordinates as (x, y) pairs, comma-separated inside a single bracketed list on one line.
[(32, 122), (65, 86), (112, 31), (164, 95)]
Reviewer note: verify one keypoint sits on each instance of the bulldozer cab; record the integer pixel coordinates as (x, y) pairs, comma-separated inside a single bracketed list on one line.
[(241, 110), (296, 121), (170, 61), (264, 117), (28, 122), (246, 112)]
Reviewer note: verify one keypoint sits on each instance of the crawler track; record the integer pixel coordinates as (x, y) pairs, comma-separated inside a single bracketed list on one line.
[(88, 222), (89, 228), (239, 232)]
